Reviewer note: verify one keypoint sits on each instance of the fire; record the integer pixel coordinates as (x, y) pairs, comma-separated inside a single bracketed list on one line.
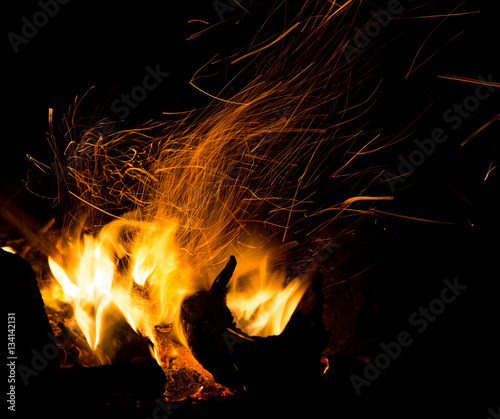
[(238, 177), (138, 268), (260, 303)]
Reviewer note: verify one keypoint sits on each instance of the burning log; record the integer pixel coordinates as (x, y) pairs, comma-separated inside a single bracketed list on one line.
[(130, 352), (40, 377), (122, 344), (28, 333), (93, 357), (206, 319), (106, 384), (239, 361)]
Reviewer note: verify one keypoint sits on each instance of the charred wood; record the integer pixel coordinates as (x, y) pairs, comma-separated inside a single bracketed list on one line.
[(42, 385), (241, 362), (205, 319), (91, 357)]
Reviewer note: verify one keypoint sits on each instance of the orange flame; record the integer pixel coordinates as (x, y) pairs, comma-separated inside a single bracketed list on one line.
[(139, 268), (246, 166)]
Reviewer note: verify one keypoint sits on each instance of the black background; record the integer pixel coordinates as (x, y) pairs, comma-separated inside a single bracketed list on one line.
[(453, 366)]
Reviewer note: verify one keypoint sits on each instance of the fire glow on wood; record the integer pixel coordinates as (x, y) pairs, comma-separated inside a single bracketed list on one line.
[(183, 229), (231, 180), (149, 291)]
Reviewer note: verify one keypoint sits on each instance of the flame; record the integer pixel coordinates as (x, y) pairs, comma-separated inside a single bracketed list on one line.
[(139, 268), (260, 302), (234, 178)]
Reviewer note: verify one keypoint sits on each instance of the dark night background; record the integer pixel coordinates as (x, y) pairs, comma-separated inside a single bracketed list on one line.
[(452, 367)]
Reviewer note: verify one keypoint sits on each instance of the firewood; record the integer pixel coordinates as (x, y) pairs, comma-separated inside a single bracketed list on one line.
[(29, 331), (90, 356), (122, 344), (239, 361), (206, 320), (41, 385)]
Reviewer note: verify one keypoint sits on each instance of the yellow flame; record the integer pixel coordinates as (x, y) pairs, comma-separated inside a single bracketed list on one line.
[(68, 287), (260, 301), (138, 267), (248, 165)]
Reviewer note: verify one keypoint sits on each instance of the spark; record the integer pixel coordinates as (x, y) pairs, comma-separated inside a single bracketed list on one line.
[(367, 198), (490, 169), (442, 15), (460, 195), (470, 80), (378, 211), (411, 69), (267, 45), (198, 20), (176, 197), (487, 124)]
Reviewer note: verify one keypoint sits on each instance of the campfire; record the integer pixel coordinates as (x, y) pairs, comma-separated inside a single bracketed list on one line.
[(131, 292), (193, 256)]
